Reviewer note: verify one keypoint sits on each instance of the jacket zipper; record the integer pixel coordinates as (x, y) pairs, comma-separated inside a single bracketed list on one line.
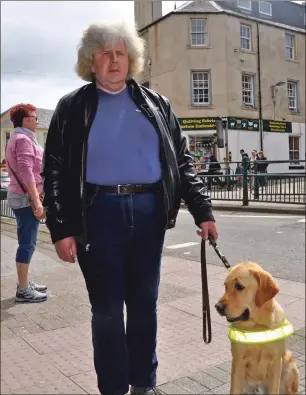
[(83, 175), (164, 162)]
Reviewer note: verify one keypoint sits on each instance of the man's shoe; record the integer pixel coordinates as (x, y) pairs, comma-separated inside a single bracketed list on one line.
[(145, 391)]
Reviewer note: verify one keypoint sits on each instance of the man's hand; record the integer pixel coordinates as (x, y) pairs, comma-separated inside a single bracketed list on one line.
[(208, 228), (66, 249)]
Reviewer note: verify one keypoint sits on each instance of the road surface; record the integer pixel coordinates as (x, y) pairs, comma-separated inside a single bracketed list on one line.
[(276, 242)]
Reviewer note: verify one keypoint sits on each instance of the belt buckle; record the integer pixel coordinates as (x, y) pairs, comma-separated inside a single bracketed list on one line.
[(123, 189)]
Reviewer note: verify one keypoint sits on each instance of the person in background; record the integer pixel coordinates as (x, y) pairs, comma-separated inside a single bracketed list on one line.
[(239, 175), (214, 167), (253, 167), (24, 160), (242, 152), (116, 167), (262, 166)]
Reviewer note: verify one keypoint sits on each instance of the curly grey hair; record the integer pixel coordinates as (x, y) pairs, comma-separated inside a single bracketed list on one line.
[(99, 35)]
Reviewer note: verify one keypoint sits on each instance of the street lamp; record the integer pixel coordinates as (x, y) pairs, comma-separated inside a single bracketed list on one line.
[(273, 93)]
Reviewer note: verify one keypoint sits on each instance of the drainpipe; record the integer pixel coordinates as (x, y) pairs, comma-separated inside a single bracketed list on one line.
[(259, 90)]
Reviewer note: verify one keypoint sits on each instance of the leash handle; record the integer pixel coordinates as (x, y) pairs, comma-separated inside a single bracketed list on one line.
[(205, 297), (215, 246)]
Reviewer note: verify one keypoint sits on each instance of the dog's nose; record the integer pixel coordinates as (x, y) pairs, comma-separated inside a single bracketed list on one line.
[(220, 307)]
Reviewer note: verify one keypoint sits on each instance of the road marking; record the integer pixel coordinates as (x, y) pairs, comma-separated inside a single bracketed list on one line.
[(262, 216), (175, 246), (187, 253), (279, 232), (302, 220)]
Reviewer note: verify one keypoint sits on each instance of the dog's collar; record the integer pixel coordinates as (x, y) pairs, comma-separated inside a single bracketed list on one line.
[(237, 335)]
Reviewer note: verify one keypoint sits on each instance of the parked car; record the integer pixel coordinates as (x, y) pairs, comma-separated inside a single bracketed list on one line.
[(5, 180)]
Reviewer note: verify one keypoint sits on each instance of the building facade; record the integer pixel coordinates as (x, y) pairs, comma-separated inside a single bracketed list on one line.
[(44, 118), (243, 60)]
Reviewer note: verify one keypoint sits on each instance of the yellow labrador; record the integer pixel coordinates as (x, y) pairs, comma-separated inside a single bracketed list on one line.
[(248, 303)]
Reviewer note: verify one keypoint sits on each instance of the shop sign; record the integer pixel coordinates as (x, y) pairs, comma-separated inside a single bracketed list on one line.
[(243, 124), (205, 123), (277, 126)]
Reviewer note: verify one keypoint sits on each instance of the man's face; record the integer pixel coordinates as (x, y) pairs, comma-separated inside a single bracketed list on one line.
[(111, 65), (30, 122)]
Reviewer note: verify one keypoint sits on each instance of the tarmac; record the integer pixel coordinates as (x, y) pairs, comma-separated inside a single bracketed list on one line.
[(46, 348)]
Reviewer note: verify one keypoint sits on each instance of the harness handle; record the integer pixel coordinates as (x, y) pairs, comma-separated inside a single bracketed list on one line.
[(215, 246), (205, 297)]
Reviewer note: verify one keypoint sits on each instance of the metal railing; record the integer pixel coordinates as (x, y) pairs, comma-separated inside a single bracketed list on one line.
[(249, 186), (255, 183)]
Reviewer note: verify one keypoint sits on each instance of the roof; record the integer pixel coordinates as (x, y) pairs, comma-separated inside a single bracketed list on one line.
[(285, 14), (44, 118)]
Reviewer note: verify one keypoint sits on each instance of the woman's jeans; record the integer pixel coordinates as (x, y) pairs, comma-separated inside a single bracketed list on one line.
[(122, 265), (27, 229)]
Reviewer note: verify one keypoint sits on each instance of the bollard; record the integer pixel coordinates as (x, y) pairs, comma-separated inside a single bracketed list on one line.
[(245, 199)]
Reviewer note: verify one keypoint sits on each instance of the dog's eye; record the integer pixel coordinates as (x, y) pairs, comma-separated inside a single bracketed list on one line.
[(239, 287)]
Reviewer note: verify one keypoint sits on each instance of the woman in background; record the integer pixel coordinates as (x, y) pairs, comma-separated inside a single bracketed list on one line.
[(24, 161)]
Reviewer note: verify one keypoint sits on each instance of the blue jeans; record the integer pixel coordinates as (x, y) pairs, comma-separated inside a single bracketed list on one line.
[(122, 265), (27, 229)]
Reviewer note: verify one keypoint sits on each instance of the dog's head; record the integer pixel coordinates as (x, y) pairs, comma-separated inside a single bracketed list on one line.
[(247, 287)]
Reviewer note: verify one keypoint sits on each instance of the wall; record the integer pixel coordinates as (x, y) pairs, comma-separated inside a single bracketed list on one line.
[(276, 146), (172, 59), (275, 67)]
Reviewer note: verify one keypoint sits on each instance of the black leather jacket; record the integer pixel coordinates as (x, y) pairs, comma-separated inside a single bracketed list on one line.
[(64, 167)]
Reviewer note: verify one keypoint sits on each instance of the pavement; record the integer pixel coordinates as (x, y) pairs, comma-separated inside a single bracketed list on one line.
[(46, 348)]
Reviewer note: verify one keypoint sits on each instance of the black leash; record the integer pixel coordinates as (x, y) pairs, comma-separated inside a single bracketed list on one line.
[(205, 297), (205, 294)]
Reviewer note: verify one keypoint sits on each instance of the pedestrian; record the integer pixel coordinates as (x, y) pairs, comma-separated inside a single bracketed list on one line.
[(262, 166), (253, 167), (214, 167), (24, 161), (116, 166), (239, 175)]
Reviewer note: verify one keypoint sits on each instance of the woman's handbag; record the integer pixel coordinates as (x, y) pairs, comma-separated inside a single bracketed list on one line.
[(31, 201)]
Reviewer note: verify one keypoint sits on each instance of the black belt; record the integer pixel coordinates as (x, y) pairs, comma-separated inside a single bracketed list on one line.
[(128, 189)]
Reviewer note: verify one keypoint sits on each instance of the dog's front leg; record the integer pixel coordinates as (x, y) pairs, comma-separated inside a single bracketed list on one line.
[(237, 376), (275, 377)]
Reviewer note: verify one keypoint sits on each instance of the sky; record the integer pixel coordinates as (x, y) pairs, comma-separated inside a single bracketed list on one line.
[(39, 42)]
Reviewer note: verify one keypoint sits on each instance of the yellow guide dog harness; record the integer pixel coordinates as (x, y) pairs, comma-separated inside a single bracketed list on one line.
[(243, 336)]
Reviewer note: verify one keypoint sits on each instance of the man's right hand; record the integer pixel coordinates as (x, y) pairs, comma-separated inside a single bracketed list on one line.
[(66, 249)]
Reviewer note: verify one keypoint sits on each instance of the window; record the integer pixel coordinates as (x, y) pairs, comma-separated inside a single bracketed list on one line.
[(290, 46), (265, 8), (246, 5), (294, 148), (292, 96), (245, 37), (248, 90), (198, 31), (201, 94)]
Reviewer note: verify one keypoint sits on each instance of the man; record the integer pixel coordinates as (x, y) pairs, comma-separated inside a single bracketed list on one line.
[(116, 167)]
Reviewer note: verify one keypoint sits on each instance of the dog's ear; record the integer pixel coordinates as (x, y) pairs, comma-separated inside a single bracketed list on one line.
[(267, 287)]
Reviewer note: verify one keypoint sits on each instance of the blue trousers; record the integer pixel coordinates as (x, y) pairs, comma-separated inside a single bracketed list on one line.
[(27, 230), (122, 265)]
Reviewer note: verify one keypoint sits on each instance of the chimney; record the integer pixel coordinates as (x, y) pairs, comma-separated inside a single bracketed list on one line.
[(146, 12)]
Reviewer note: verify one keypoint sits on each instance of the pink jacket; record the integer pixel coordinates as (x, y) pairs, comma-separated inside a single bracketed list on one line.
[(26, 161)]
